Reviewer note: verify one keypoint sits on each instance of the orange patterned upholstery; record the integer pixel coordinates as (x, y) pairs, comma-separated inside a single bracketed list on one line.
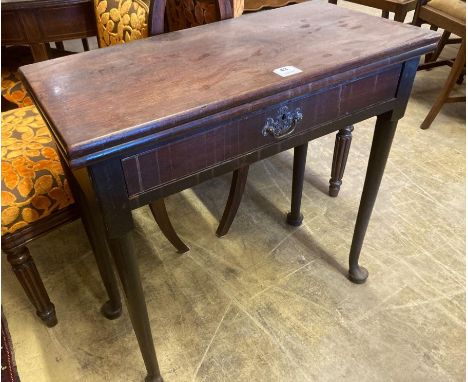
[(13, 89), (33, 181), (120, 21)]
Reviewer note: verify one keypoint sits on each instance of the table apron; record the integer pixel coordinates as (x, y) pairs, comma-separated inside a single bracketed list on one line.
[(245, 136), (53, 23)]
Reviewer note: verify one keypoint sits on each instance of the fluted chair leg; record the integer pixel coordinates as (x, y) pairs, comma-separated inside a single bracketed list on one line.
[(340, 157), (26, 272)]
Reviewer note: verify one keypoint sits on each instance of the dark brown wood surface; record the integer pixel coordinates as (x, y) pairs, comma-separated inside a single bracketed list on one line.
[(203, 102), (17, 4), (241, 135), (99, 99), (37, 22)]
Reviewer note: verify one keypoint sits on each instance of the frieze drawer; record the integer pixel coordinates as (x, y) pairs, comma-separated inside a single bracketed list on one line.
[(237, 137)]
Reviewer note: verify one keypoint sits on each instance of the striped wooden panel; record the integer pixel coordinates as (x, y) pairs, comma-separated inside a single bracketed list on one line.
[(238, 137)]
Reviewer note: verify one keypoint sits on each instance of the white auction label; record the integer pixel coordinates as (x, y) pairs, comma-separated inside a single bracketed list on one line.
[(286, 71)]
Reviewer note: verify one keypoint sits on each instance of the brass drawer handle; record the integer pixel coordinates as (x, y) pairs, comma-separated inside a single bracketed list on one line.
[(284, 124)]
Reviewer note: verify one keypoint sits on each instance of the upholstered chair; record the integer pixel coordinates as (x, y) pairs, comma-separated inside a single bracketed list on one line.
[(36, 198), (11, 86), (13, 89), (36, 195)]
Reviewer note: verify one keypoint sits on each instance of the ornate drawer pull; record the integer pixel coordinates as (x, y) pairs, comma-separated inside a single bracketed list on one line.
[(284, 124)]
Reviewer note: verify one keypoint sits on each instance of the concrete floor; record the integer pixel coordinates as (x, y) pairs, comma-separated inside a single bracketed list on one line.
[(269, 302)]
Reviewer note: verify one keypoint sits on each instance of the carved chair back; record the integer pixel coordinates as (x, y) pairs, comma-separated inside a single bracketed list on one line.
[(120, 21)]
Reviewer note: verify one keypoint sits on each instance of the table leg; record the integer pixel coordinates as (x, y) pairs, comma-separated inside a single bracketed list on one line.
[(39, 52), (340, 156), (159, 211), (295, 217), (127, 267), (112, 308), (381, 144)]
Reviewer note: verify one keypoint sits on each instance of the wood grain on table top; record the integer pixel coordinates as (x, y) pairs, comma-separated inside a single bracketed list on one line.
[(102, 98), (8, 5)]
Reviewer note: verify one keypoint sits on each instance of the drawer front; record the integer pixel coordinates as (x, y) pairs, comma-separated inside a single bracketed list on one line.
[(181, 158)]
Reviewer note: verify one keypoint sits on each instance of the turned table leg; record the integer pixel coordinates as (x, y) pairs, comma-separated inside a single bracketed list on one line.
[(295, 217), (239, 179), (381, 144), (340, 157), (26, 272)]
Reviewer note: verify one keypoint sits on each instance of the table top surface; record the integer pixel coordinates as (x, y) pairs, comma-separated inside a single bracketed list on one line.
[(29, 4), (106, 97)]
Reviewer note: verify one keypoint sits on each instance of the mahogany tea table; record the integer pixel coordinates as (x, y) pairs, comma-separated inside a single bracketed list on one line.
[(147, 120)]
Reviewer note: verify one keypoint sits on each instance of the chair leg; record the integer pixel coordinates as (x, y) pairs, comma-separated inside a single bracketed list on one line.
[(59, 45), (158, 209), (431, 57), (84, 41), (26, 272), (400, 16), (340, 157), (385, 14), (239, 179), (457, 69)]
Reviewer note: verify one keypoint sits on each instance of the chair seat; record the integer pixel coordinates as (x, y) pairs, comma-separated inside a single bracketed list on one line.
[(33, 181), (453, 8), (13, 89)]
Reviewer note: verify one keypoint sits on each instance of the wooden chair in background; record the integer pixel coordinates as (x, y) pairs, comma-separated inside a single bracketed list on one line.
[(257, 5), (449, 15), (399, 7)]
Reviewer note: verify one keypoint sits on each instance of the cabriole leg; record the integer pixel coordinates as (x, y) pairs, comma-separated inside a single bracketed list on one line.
[(127, 267), (112, 308), (381, 144)]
